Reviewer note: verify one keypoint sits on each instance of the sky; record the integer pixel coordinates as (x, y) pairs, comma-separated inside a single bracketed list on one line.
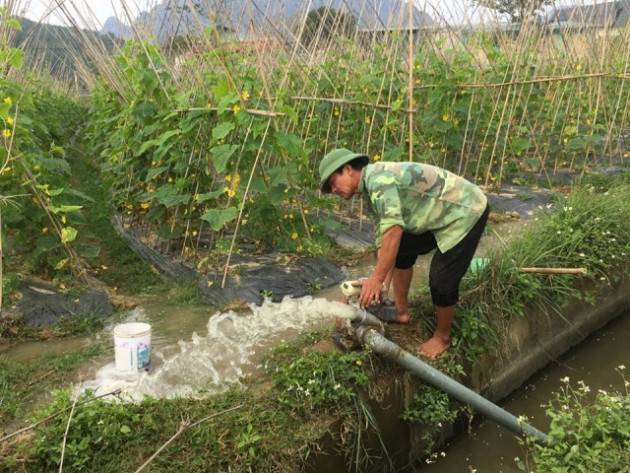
[(97, 11), (94, 11)]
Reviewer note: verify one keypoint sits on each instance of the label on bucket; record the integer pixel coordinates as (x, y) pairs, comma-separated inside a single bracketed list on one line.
[(132, 346)]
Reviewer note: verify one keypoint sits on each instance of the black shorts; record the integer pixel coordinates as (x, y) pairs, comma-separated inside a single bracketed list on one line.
[(447, 269)]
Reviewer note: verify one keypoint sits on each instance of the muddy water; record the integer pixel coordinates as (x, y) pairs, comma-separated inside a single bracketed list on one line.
[(492, 448)]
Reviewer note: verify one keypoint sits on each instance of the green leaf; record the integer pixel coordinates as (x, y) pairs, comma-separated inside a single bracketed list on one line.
[(175, 199), (155, 213), (125, 429), (49, 192), (64, 208), (258, 185), (520, 145), (217, 218), (14, 23), (68, 234), (151, 173), (576, 144), (290, 142), (222, 130), (291, 113), (4, 110), (201, 198), (61, 263), (144, 147), (221, 155), (88, 251), (12, 56)]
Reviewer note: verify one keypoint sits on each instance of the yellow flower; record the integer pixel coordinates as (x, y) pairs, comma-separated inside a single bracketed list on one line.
[(145, 205), (245, 95), (336, 112), (7, 169), (45, 230), (578, 68), (6, 133), (209, 105), (294, 236), (367, 120), (236, 109), (9, 121), (63, 219), (565, 141), (8, 100), (377, 157), (170, 179), (228, 178), (445, 118), (194, 233)]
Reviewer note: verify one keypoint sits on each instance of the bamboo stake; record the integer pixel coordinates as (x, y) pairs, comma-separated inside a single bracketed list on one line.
[(52, 416), (183, 427), (411, 62), (65, 434), (581, 271)]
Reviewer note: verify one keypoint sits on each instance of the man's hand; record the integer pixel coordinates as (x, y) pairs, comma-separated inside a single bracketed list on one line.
[(370, 291)]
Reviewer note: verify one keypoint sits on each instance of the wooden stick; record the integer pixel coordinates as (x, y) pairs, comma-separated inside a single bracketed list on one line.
[(32, 426), (182, 427), (65, 434), (554, 270)]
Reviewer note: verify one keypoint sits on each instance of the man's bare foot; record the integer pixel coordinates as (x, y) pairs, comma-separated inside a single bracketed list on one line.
[(402, 318), (434, 347)]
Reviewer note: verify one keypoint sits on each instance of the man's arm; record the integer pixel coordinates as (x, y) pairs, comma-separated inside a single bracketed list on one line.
[(371, 288)]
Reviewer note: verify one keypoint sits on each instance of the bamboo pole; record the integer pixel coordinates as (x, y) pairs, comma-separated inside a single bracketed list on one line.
[(581, 271)]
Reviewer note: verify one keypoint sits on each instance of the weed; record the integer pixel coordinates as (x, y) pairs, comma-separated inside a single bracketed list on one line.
[(589, 431), (314, 286), (433, 408)]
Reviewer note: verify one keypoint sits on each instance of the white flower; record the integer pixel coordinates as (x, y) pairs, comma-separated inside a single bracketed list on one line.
[(621, 367), (565, 379)]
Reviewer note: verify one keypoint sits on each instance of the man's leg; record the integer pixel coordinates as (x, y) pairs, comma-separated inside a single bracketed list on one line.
[(441, 338), (410, 247), (402, 282), (445, 275)]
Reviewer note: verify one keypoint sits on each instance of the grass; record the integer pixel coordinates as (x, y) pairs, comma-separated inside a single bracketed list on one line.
[(117, 265), (25, 384)]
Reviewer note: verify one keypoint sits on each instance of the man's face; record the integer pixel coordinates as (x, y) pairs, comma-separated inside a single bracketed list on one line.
[(344, 183)]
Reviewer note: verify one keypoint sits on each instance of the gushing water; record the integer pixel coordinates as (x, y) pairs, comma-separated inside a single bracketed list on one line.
[(233, 347)]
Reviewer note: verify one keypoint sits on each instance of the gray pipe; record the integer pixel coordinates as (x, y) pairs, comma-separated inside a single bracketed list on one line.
[(369, 337)]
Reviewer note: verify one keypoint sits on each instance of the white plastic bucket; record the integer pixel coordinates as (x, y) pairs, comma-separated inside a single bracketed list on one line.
[(132, 346)]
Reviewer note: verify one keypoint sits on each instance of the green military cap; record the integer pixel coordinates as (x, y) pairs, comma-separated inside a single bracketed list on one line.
[(332, 162)]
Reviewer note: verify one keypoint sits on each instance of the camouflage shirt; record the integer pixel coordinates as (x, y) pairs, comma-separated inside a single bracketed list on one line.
[(421, 198)]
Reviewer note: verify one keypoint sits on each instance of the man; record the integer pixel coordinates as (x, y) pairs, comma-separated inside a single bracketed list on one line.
[(416, 208)]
